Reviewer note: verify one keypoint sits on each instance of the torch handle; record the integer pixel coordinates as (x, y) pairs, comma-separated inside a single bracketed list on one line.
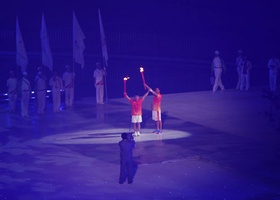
[(124, 87), (143, 79)]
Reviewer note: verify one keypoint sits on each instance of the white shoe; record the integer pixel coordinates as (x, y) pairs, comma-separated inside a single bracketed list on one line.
[(138, 133)]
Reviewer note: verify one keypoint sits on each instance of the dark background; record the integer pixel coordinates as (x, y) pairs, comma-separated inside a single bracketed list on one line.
[(174, 40)]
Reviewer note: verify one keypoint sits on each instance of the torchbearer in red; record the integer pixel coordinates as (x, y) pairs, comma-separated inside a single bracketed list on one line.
[(156, 110), (136, 111)]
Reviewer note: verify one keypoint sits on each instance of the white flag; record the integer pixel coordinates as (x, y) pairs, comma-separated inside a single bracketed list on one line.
[(21, 56), (78, 42), (103, 40), (47, 59)]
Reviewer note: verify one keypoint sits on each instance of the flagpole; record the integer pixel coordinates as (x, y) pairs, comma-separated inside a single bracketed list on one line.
[(105, 79), (104, 50)]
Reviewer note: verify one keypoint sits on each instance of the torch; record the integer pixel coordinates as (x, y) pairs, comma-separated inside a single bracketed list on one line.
[(124, 83), (143, 77)]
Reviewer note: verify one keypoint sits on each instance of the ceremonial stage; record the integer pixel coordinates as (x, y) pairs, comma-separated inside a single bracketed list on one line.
[(216, 146)]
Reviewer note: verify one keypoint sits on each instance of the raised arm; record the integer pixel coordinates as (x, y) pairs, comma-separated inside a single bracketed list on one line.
[(145, 95), (150, 90), (126, 96)]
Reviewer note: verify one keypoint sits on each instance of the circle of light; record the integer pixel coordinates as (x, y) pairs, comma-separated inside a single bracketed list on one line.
[(110, 136)]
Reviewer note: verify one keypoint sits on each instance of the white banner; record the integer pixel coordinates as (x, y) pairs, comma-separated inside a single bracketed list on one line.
[(47, 59), (78, 42), (103, 40), (21, 56)]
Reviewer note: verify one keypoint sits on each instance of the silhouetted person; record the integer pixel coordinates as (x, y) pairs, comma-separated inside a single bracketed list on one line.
[(273, 66), (68, 78), (98, 75), (57, 85), (12, 85), (245, 74), (40, 89), (25, 94), (218, 67), (126, 169)]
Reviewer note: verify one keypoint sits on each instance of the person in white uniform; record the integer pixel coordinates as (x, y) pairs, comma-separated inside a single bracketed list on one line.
[(25, 95), (273, 66), (245, 74), (40, 89), (239, 63), (98, 75), (57, 85), (217, 67), (68, 78), (12, 91)]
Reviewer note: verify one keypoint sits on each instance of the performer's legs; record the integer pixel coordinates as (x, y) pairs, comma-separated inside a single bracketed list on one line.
[(71, 96), (12, 102), (215, 86), (101, 93), (138, 127), (41, 100), (220, 81), (66, 91), (134, 127), (97, 93), (24, 103), (56, 100), (160, 125)]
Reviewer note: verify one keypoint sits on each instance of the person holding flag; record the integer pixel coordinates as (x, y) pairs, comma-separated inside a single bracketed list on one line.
[(25, 90), (68, 78), (57, 85), (98, 75), (12, 91), (40, 89)]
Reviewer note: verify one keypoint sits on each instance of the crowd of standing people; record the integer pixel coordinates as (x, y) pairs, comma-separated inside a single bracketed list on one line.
[(22, 89), (243, 67)]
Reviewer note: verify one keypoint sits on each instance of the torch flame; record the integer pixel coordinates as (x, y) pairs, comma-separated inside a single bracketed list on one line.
[(126, 78), (141, 69)]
